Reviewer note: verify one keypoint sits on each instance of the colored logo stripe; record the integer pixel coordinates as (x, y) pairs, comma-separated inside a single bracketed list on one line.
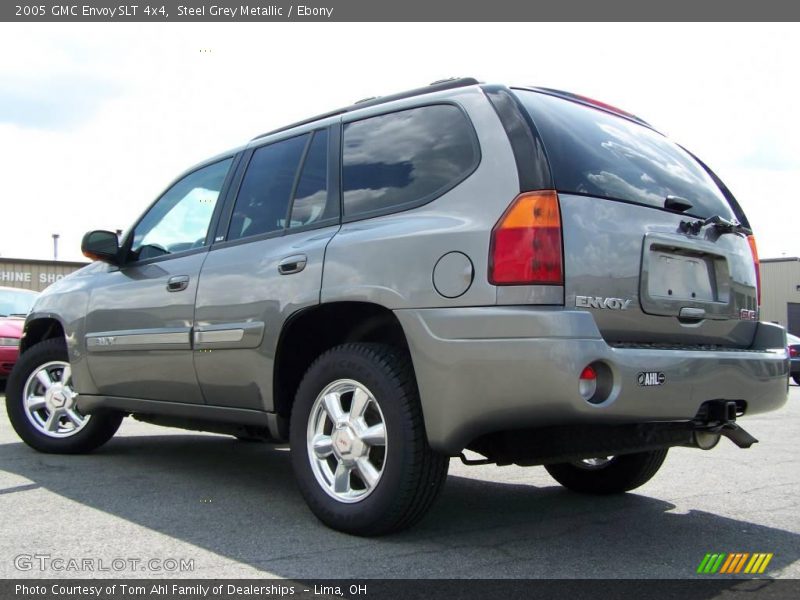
[(758, 564), (734, 563), (711, 563)]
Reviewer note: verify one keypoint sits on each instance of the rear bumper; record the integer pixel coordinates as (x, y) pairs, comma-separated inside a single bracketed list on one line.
[(8, 356), (490, 369)]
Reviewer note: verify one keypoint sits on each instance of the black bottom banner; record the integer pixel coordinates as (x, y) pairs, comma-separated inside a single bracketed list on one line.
[(407, 589)]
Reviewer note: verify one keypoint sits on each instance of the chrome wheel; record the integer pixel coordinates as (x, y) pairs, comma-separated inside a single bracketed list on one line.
[(50, 401), (346, 441), (594, 463)]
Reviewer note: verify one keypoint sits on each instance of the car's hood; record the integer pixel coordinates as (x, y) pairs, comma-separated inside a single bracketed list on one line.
[(11, 327)]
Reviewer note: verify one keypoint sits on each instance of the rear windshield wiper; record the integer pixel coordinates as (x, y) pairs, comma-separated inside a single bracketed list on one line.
[(720, 224), (677, 203)]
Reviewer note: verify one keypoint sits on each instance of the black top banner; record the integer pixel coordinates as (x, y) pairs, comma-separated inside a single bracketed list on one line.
[(398, 10)]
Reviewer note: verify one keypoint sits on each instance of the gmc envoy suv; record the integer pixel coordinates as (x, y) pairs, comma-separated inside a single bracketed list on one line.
[(524, 274)]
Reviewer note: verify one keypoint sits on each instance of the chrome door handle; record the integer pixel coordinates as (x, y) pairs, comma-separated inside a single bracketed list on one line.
[(292, 264), (177, 283)]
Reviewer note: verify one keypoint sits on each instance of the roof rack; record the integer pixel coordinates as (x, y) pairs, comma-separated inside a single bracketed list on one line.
[(436, 86)]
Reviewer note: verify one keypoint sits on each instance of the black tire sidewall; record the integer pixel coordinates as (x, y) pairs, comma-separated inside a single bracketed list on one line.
[(380, 506), (97, 431), (624, 473)]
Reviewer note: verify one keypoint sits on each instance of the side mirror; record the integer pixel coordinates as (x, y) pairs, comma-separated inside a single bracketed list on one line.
[(101, 245)]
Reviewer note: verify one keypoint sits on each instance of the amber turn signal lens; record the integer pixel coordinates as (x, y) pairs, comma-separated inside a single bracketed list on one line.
[(526, 242)]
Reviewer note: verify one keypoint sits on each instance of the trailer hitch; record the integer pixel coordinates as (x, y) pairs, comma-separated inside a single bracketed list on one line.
[(738, 435), (718, 418)]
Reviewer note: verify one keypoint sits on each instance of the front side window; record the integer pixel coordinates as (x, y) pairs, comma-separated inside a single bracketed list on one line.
[(403, 159), (179, 220)]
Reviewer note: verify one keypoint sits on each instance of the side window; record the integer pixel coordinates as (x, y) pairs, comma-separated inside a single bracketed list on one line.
[(263, 200), (406, 158), (311, 197), (179, 220)]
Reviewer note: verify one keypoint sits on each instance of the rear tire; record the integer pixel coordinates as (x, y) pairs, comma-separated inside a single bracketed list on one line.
[(47, 420), (796, 379), (359, 449), (620, 474)]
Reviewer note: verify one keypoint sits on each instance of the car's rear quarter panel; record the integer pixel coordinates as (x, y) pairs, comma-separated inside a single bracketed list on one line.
[(389, 260)]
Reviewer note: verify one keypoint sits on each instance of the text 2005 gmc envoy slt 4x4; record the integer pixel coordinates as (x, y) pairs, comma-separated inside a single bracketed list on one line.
[(527, 274)]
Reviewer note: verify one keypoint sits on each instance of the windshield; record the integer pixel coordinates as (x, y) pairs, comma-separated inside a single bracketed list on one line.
[(596, 153), (16, 302)]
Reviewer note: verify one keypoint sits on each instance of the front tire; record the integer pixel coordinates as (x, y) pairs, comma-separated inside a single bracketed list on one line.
[(40, 402), (359, 449), (613, 475)]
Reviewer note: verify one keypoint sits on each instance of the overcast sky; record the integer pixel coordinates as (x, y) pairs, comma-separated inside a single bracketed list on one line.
[(96, 119)]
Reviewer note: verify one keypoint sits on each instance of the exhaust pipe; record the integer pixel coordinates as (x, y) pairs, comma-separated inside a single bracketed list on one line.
[(705, 440)]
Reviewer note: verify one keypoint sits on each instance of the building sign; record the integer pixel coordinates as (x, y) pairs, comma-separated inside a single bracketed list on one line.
[(7, 277), (31, 274)]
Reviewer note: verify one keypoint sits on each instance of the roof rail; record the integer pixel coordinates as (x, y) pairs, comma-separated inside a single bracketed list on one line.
[(436, 86)]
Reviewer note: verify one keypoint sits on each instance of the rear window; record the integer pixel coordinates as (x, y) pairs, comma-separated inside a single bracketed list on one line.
[(16, 302), (596, 153)]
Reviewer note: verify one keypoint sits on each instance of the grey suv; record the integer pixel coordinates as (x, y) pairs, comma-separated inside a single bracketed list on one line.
[(525, 274)]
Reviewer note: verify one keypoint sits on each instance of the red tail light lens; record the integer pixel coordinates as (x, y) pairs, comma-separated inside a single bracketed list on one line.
[(587, 383), (526, 242), (752, 241), (793, 352)]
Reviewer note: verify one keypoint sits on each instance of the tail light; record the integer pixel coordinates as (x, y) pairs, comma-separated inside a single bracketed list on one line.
[(793, 352), (752, 241), (526, 242)]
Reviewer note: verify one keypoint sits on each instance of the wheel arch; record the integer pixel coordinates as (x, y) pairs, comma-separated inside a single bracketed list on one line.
[(311, 331), (41, 328)]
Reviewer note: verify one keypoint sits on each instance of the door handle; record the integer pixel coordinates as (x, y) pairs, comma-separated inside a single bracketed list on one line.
[(177, 283), (292, 264)]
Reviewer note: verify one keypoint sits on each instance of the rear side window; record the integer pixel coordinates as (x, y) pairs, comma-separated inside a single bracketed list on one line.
[(263, 201), (310, 203), (599, 154), (403, 159)]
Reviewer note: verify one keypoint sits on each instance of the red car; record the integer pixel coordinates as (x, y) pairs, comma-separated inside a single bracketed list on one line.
[(793, 343), (15, 304)]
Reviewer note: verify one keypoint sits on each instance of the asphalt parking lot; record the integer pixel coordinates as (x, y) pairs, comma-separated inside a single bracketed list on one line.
[(233, 509)]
